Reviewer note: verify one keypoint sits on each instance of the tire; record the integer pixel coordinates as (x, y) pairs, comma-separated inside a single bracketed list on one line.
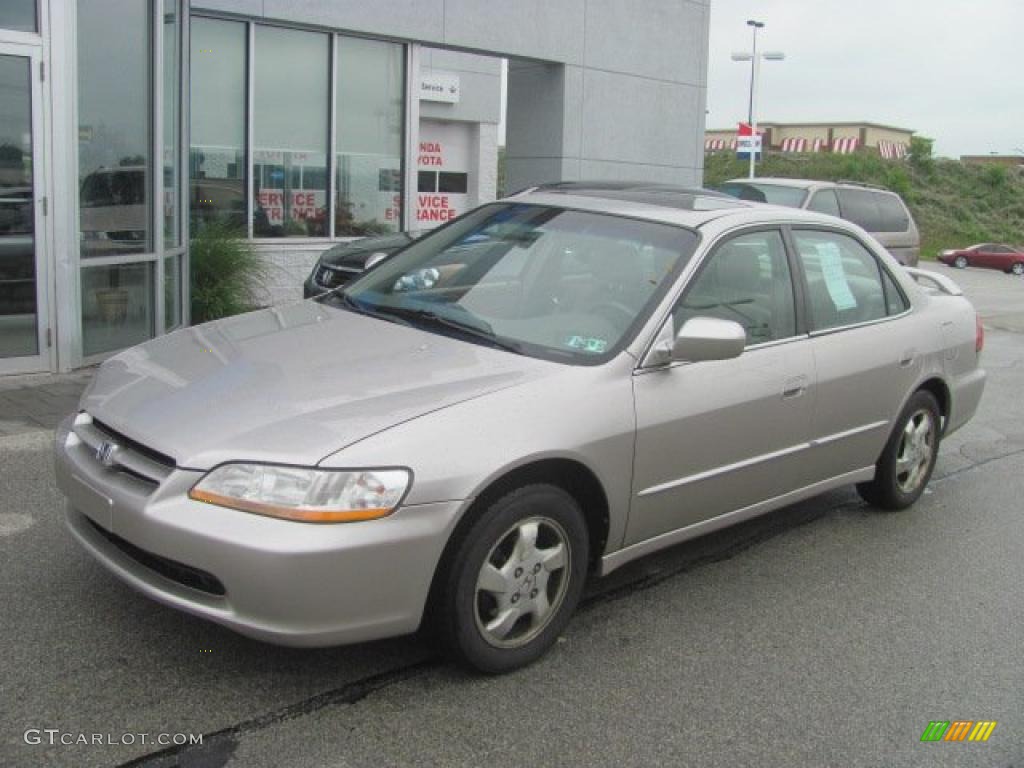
[(960, 262), (1018, 268), (494, 572), (908, 459)]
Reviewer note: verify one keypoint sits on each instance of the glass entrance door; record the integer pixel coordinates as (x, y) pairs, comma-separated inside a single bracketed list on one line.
[(23, 314)]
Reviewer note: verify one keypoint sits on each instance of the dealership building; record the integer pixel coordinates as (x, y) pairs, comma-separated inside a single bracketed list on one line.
[(128, 125)]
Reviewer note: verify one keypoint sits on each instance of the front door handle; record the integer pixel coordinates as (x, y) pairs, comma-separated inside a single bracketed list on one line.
[(794, 387)]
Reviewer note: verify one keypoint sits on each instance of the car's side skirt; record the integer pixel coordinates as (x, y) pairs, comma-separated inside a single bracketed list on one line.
[(620, 557)]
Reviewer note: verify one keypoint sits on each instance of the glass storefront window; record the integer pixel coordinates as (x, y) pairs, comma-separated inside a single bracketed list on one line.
[(217, 116), (290, 115), (171, 126), (18, 309), (114, 118), (369, 94), (117, 307), (19, 15)]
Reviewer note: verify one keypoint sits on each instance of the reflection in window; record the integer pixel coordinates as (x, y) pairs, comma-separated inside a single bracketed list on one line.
[(370, 85), (452, 183), (172, 292), (18, 320), (217, 154), (844, 280), (172, 236), (117, 306), (114, 153), (746, 280), (290, 133), (19, 15)]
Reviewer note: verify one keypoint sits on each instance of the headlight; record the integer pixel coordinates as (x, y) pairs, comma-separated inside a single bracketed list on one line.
[(307, 495)]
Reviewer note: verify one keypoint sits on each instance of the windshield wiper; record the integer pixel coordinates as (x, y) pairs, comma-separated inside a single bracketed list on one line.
[(349, 303), (480, 331)]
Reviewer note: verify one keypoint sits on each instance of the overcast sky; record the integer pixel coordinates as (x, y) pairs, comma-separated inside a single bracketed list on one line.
[(952, 70)]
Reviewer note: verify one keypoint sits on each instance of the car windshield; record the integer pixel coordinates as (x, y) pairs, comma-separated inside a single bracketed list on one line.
[(544, 281), (776, 194)]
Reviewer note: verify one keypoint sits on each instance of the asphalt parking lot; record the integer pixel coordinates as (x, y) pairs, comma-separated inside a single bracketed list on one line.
[(824, 634)]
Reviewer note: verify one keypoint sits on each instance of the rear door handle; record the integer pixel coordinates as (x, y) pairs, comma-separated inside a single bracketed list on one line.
[(907, 357), (794, 387)]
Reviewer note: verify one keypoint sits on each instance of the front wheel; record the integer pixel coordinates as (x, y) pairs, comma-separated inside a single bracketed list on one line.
[(905, 466), (1018, 268), (960, 262), (514, 579)]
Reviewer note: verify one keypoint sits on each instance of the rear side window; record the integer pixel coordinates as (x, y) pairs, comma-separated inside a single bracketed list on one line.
[(844, 280), (824, 201), (895, 301), (893, 215), (861, 207)]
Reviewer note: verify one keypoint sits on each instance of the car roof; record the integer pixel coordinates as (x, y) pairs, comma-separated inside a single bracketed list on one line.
[(681, 206)]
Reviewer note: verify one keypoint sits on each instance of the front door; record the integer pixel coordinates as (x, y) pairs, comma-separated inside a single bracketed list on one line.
[(23, 310), (718, 437)]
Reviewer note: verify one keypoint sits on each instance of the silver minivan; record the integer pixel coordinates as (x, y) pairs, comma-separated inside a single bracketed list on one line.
[(877, 210)]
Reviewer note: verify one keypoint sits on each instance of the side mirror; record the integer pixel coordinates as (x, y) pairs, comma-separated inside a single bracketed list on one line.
[(700, 339), (373, 260)]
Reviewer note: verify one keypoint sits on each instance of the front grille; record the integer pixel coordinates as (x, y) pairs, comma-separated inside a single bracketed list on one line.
[(127, 456), (179, 573), (333, 277)]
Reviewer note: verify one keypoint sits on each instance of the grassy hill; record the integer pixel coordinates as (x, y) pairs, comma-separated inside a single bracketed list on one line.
[(955, 205)]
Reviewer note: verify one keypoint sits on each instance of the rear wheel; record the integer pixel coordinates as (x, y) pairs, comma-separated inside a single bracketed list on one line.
[(905, 466), (514, 580), (960, 262), (1018, 268)]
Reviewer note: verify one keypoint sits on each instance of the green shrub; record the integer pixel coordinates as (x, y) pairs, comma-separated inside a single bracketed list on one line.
[(227, 275)]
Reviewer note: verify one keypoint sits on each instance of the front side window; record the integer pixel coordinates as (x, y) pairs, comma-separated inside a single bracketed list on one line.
[(824, 201), (746, 280), (554, 283), (844, 280)]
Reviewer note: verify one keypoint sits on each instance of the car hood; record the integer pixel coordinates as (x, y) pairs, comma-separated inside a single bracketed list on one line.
[(290, 384)]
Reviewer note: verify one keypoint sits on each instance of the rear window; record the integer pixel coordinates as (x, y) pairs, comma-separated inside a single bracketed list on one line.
[(861, 207)]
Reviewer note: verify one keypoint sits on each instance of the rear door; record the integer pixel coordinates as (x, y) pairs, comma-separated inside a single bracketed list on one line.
[(865, 352), (714, 437)]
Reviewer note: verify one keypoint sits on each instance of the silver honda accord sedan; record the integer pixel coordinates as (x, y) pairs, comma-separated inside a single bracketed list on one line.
[(540, 391)]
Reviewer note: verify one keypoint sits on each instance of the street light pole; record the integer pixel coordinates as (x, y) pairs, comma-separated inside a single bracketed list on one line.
[(754, 57), (755, 71)]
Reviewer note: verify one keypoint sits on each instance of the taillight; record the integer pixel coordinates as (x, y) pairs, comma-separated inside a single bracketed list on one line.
[(979, 334)]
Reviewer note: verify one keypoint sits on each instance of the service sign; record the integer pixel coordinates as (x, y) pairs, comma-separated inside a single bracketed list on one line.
[(439, 86)]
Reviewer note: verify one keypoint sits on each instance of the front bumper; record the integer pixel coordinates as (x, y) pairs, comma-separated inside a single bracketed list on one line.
[(289, 583)]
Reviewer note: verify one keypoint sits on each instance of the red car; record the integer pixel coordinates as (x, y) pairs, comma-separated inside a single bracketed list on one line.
[(1009, 258)]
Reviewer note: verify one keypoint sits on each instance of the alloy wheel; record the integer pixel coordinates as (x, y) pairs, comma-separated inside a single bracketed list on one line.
[(522, 582), (916, 451)]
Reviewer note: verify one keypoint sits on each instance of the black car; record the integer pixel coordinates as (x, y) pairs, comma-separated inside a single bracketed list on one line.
[(343, 262)]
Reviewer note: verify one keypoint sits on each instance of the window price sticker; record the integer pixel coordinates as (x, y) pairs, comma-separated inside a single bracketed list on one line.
[(835, 276)]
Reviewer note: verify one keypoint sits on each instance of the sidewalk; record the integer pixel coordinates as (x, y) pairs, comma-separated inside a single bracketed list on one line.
[(39, 401)]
